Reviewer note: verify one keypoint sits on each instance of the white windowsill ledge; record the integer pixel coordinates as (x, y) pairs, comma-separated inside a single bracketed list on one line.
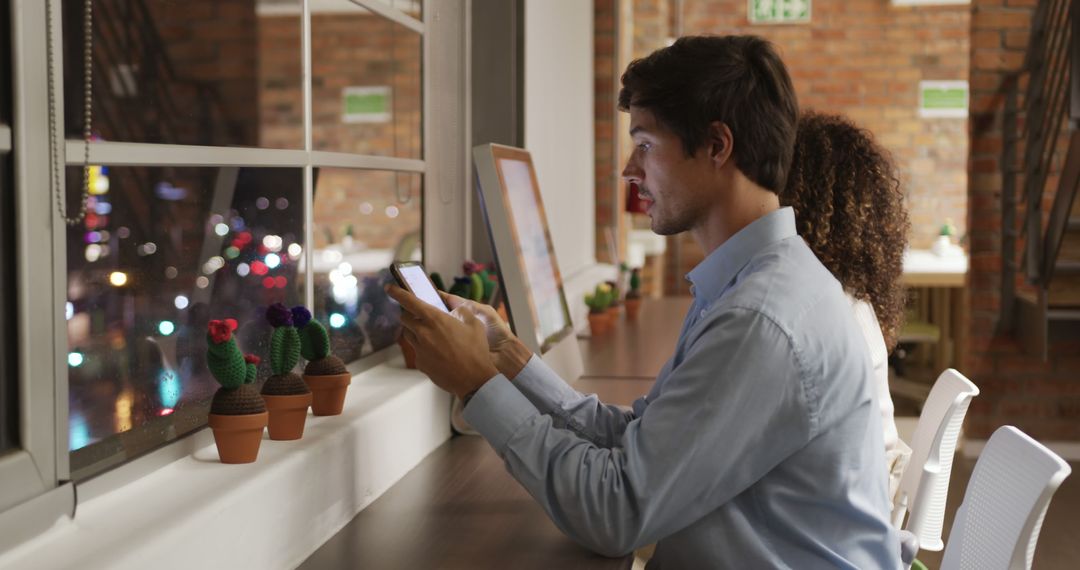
[(198, 513)]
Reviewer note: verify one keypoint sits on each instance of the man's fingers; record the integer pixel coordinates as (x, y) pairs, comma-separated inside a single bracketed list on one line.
[(409, 320), (452, 301), (409, 302)]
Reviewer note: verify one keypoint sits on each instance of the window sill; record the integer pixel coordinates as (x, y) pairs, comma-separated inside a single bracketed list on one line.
[(196, 512)]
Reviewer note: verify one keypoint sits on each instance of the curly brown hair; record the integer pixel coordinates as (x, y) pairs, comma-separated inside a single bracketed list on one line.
[(850, 210)]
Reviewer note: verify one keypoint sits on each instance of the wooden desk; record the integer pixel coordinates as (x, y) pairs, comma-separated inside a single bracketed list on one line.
[(459, 508), (942, 279), (637, 349)]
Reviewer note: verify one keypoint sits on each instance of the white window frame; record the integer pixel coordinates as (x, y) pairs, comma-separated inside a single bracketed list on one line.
[(36, 490)]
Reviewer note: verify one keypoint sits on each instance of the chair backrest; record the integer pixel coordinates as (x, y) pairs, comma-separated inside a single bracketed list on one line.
[(925, 483), (998, 523)]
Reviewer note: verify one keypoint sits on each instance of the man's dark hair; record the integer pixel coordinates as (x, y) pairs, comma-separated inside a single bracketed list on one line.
[(737, 80)]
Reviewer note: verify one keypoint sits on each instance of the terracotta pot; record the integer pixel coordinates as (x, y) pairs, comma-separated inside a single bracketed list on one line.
[(613, 313), (287, 415), (238, 437), (328, 392), (408, 352), (599, 323), (633, 306)]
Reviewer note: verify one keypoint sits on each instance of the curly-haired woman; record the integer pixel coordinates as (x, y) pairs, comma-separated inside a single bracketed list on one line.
[(850, 210)]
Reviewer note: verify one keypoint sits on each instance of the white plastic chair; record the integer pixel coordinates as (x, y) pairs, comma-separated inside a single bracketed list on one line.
[(925, 483), (998, 523)]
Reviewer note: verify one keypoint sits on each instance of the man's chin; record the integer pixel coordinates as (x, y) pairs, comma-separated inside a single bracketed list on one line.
[(660, 229)]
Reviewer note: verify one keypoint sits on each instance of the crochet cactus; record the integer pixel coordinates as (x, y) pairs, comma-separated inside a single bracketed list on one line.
[(635, 284), (285, 350), (235, 372), (315, 345), (223, 357), (314, 341), (599, 300), (462, 287), (436, 279), (252, 368), (285, 342), (489, 284), (476, 288)]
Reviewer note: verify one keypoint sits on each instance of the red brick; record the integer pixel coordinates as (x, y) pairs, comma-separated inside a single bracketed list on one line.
[(992, 18)]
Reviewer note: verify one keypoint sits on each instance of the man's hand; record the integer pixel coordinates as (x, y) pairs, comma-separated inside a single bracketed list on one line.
[(450, 349), (507, 351)]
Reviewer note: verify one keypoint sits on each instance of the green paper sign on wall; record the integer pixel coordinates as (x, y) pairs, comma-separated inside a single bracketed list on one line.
[(366, 104), (778, 11), (943, 99)]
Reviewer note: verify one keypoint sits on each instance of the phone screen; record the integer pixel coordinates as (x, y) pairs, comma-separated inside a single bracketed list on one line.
[(421, 286)]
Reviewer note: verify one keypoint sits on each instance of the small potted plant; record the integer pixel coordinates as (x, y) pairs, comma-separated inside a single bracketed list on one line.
[(237, 412), (614, 305), (324, 373), (287, 396), (598, 301)]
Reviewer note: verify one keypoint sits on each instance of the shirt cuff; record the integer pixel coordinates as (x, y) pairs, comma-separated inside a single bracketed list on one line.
[(543, 387), (497, 411)]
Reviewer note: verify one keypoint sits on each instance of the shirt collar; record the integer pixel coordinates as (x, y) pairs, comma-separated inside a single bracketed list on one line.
[(710, 277)]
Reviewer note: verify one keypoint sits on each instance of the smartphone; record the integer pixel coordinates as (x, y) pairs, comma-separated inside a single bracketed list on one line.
[(412, 276)]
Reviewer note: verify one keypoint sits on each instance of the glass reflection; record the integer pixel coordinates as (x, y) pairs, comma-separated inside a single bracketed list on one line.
[(144, 279), (366, 84), (364, 220)]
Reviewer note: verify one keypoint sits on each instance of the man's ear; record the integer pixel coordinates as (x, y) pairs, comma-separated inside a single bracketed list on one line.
[(721, 143)]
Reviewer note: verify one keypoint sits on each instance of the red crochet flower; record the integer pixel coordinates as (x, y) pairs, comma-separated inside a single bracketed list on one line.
[(252, 359), (221, 331)]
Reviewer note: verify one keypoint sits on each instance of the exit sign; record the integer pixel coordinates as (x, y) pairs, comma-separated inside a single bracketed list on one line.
[(779, 11)]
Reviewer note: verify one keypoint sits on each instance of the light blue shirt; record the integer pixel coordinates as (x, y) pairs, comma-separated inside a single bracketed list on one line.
[(759, 445)]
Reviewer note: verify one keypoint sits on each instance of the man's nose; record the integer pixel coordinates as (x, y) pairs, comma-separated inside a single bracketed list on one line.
[(631, 172)]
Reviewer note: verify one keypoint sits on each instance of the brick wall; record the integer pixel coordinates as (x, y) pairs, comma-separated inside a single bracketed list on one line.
[(1041, 398), (213, 43), (864, 59), (347, 50), (605, 63)]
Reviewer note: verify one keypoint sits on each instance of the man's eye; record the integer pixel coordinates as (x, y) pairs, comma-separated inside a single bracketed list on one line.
[(644, 146)]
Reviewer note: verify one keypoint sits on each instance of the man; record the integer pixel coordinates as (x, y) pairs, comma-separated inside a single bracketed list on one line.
[(759, 445)]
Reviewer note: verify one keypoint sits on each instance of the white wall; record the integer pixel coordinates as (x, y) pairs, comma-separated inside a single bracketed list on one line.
[(559, 123)]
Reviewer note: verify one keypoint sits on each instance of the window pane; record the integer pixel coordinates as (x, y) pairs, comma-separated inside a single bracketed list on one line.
[(365, 91), (162, 251), (191, 72), (364, 220)]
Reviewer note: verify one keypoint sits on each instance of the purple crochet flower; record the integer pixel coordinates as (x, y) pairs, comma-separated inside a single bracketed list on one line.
[(279, 315), (300, 316)]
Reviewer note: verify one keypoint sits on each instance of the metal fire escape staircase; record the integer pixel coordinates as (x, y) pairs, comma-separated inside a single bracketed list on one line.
[(1041, 173)]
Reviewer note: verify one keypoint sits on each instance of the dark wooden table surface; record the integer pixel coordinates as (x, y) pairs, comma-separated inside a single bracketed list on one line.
[(637, 349), (459, 508)]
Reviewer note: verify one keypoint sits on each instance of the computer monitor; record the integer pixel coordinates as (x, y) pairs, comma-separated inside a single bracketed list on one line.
[(521, 241)]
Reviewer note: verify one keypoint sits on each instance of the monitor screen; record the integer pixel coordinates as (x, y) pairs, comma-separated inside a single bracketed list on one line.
[(536, 255), (528, 269)]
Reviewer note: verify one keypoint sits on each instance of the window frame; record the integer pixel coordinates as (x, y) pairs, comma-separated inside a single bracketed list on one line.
[(37, 488), (35, 491), (9, 433)]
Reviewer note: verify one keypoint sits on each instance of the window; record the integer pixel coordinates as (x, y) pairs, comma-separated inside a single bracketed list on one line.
[(364, 220), (162, 251), (213, 168)]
